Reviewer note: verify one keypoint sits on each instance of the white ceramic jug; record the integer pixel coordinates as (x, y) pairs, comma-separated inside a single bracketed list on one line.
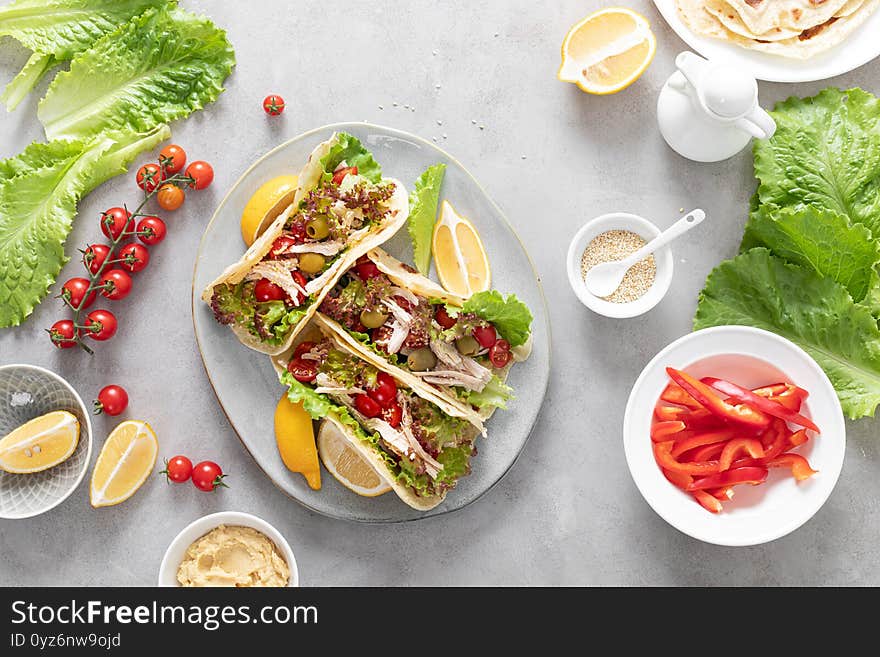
[(709, 111)]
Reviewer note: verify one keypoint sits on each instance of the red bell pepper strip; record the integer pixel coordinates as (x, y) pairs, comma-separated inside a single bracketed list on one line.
[(705, 453), (711, 401), (800, 467), (780, 434), (675, 394), (763, 404), (751, 475), (661, 431), (686, 443), (663, 456), (777, 389), (694, 418), (737, 445), (709, 502), (680, 479), (798, 438), (724, 494)]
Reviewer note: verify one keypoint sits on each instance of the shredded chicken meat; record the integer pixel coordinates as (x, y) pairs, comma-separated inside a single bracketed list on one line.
[(277, 272)]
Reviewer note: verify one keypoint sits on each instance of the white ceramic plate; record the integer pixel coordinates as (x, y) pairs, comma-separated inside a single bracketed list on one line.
[(749, 357), (246, 384), (859, 48)]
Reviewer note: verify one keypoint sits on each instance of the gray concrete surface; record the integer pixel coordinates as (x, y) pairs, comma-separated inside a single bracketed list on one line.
[(552, 157)]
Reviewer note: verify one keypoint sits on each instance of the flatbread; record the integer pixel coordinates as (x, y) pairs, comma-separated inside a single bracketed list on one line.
[(762, 16)]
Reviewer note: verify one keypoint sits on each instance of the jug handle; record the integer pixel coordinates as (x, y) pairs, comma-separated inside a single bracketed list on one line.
[(758, 123), (689, 64)]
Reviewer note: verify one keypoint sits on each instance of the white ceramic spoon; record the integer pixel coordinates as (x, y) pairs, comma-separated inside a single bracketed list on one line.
[(602, 280)]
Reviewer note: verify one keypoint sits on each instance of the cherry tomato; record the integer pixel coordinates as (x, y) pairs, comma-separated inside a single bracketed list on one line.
[(62, 334), (273, 105), (339, 176), (303, 371), (114, 221), (207, 476), (151, 230), (485, 335), (172, 158), (367, 270), (100, 324), (280, 245), (393, 414), (499, 353), (170, 197), (134, 256), (303, 348), (116, 284), (202, 174), (300, 280), (112, 400), (368, 406), (266, 290), (443, 318), (149, 177), (177, 469), (94, 256), (74, 292), (385, 392)]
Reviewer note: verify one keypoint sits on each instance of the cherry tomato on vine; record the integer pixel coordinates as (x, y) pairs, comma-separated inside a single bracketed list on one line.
[(172, 158), (62, 334), (94, 256), (116, 284), (273, 104), (177, 469), (114, 221), (100, 325), (266, 290), (134, 256), (149, 177), (74, 291), (151, 230), (207, 476), (112, 400), (202, 174), (170, 197)]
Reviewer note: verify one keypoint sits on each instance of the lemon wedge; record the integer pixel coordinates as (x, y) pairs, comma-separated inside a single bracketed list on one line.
[(265, 205), (40, 444), (295, 437), (125, 462), (607, 51), (462, 265), (346, 464)]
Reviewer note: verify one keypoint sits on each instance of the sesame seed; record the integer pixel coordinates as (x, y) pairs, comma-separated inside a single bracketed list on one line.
[(474, 121), (439, 122), (444, 135), (381, 108), (616, 245)]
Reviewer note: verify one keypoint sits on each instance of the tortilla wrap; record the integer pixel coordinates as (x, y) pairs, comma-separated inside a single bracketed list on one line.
[(375, 235)]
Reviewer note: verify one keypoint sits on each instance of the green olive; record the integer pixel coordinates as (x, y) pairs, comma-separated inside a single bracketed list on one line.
[(421, 360), (467, 345), (311, 263), (318, 228), (373, 318)]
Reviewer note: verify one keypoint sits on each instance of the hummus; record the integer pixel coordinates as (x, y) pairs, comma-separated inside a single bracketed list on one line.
[(233, 556)]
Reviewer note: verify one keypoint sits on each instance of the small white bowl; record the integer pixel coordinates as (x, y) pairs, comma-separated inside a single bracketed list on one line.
[(618, 221), (749, 357), (195, 530)]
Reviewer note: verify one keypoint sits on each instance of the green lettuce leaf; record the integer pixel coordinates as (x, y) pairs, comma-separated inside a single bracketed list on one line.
[(510, 316), (821, 240), (825, 154), (423, 201), (758, 289), (349, 149), (160, 66), (456, 463), (496, 394), (57, 30)]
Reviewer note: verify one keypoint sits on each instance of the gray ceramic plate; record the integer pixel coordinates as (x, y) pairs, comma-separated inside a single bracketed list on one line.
[(245, 382)]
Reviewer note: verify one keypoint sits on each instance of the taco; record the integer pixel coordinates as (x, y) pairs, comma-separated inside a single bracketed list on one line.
[(341, 208), (418, 442), (462, 349)]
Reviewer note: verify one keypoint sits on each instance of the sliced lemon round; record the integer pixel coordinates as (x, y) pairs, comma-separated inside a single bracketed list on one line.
[(295, 437), (607, 51), (346, 464), (265, 205), (462, 265), (125, 462), (40, 444)]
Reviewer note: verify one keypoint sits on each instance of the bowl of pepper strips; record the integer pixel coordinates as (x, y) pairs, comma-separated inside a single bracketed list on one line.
[(734, 435)]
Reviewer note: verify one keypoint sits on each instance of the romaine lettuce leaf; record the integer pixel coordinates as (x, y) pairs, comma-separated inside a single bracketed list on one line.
[(423, 201), (510, 316), (496, 394), (759, 289), (158, 67), (349, 149)]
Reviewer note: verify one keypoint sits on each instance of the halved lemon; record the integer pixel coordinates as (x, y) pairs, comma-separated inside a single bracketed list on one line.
[(125, 462), (607, 51), (295, 437), (346, 464), (40, 444), (462, 265), (265, 205)]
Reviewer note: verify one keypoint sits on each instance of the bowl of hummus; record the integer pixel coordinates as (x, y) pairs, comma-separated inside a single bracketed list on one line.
[(229, 549)]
